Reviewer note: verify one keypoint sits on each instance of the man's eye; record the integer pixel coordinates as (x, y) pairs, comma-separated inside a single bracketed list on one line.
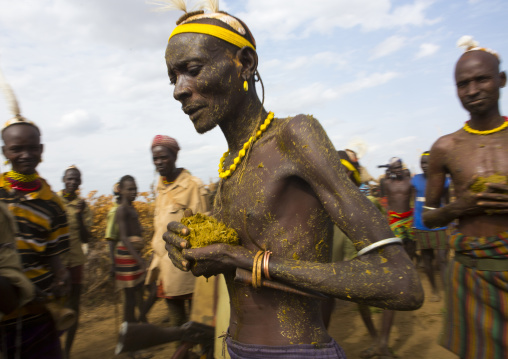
[(194, 70)]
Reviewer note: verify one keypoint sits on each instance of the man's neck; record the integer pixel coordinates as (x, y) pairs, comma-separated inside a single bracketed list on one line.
[(486, 121), (238, 130), (175, 172)]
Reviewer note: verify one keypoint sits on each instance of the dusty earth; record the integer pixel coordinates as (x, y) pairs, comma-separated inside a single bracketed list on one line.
[(414, 334)]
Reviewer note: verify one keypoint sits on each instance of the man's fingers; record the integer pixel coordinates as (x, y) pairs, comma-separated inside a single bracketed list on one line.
[(177, 258), (497, 187), (489, 204), (175, 240), (188, 213), (179, 228)]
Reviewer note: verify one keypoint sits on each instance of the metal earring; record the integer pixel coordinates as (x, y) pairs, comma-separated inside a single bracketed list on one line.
[(245, 86), (6, 162)]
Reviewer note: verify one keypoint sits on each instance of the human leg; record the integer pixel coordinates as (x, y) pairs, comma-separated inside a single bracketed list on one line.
[(129, 304), (149, 302), (177, 311), (73, 303), (428, 256)]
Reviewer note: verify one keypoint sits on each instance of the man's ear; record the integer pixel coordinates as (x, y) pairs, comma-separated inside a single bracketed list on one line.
[(502, 76), (249, 60)]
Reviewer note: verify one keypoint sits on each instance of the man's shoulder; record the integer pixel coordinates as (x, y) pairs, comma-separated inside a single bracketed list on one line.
[(188, 180)]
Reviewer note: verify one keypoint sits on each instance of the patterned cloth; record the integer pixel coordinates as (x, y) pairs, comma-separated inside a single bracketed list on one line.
[(401, 224), (75, 256), (329, 350), (128, 272), (476, 323), (166, 141), (43, 230), (431, 239), (39, 339)]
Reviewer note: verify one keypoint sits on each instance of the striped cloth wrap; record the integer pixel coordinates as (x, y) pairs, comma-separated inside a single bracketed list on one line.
[(476, 321)]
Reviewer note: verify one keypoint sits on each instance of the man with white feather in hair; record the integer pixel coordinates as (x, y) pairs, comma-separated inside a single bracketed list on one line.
[(282, 188), (476, 157), (42, 235)]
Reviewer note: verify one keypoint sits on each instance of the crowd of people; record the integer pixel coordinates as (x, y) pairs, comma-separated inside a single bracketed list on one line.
[(308, 231)]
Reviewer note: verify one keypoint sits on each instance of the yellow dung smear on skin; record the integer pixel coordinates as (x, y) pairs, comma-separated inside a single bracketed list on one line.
[(480, 185), (206, 230)]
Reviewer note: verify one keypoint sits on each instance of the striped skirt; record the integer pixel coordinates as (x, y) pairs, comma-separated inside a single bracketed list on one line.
[(128, 273), (476, 319), (431, 239)]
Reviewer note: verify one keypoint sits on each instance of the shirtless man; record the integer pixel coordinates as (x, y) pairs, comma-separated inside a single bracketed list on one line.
[(476, 321), (129, 265), (398, 189), (282, 189)]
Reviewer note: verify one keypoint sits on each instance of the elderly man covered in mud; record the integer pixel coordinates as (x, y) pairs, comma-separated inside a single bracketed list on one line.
[(282, 187)]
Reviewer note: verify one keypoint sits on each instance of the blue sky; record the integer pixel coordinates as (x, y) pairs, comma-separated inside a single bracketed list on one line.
[(378, 74)]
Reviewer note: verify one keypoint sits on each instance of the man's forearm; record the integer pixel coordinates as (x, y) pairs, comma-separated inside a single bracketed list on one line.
[(440, 217)]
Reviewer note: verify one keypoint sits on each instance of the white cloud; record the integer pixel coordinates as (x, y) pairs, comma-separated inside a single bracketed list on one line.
[(302, 99), (284, 19), (79, 122), (388, 46), (427, 49)]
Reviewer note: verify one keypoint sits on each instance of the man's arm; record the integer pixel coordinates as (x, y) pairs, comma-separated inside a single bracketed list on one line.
[(122, 220), (383, 277)]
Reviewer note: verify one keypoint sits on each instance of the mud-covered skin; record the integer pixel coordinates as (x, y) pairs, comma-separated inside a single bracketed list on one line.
[(467, 156), (282, 197), (399, 190)]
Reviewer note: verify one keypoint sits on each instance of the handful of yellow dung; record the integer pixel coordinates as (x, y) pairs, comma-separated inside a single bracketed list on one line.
[(206, 230), (480, 185)]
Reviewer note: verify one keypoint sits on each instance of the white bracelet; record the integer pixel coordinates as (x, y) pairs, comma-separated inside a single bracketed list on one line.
[(380, 243), (429, 208)]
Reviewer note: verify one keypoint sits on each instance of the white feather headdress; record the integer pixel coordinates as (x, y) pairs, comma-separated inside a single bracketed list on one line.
[(166, 5), (12, 103), (467, 43)]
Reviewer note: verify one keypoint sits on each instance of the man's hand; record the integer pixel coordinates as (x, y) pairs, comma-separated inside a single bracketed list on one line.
[(216, 258), (81, 206), (175, 243), (494, 200)]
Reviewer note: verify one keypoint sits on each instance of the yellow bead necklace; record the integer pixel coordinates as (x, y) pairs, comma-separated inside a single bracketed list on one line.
[(225, 174), (467, 128)]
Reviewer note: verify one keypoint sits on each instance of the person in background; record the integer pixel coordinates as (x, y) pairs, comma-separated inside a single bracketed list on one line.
[(476, 158), (429, 240), (79, 218), (130, 267)]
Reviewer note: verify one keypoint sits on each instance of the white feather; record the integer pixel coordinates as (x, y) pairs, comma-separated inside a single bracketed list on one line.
[(166, 5), (467, 42), (10, 97), (359, 146), (210, 5)]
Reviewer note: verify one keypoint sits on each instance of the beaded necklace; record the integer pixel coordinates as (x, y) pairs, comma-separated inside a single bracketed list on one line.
[(165, 181), (225, 174), (22, 182), (468, 129)]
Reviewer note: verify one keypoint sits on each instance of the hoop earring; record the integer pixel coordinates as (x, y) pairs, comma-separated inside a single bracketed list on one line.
[(6, 162), (245, 86)]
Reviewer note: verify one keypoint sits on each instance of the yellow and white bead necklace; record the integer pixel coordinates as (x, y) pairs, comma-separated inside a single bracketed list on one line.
[(225, 174)]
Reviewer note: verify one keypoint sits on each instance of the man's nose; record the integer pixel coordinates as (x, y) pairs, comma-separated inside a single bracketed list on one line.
[(182, 89)]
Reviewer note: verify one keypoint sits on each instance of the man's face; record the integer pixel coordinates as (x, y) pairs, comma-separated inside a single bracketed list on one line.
[(207, 79), (424, 163), (478, 81), (71, 180), (164, 160), (22, 148), (129, 190), (396, 169)]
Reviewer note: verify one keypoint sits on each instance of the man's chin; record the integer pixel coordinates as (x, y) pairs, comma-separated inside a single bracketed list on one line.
[(203, 128)]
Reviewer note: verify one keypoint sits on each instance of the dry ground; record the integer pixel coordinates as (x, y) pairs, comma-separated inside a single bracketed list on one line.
[(414, 334)]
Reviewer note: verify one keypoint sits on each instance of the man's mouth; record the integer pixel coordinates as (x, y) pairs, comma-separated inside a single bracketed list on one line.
[(192, 109)]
